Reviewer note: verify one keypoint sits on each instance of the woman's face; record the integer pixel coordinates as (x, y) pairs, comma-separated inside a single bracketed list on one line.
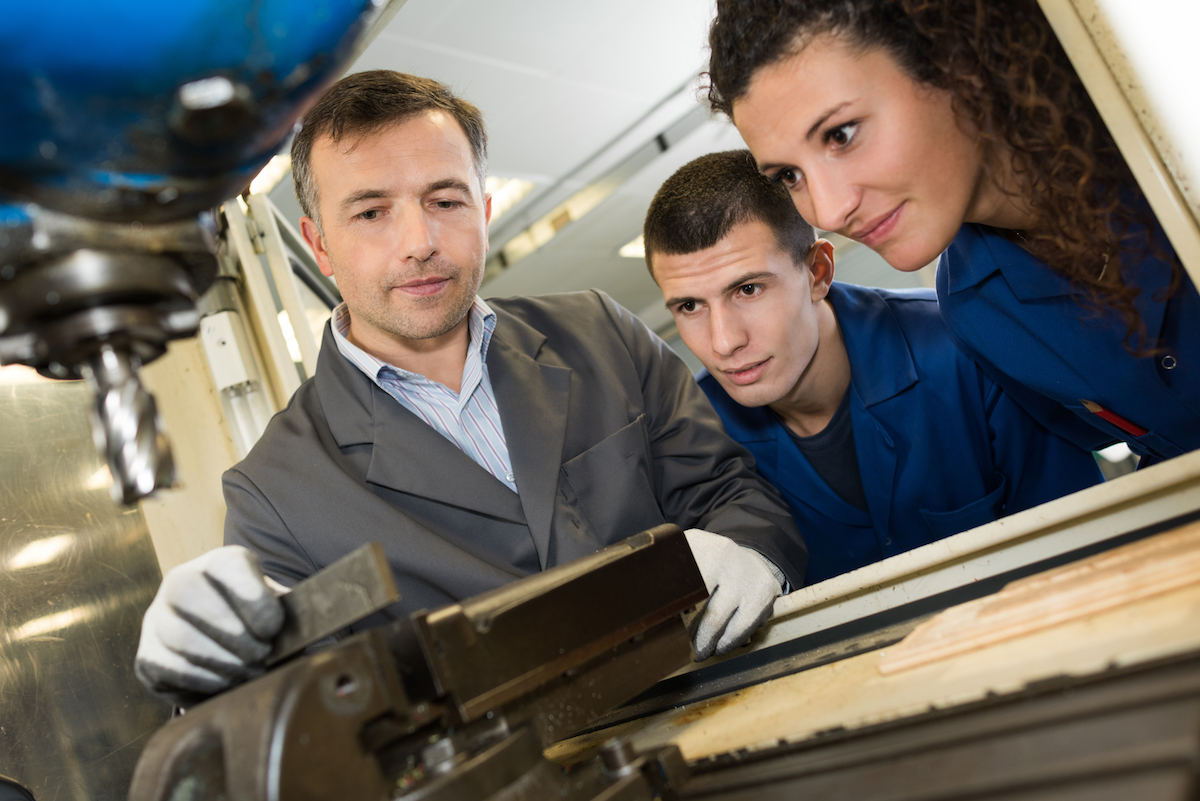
[(866, 151)]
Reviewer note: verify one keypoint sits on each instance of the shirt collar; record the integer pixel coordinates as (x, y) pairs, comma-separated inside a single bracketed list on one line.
[(481, 323)]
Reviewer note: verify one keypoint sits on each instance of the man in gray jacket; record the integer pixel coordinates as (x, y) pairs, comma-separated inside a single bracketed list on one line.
[(479, 442)]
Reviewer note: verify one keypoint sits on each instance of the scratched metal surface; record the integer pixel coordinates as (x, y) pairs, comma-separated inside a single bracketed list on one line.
[(76, 574)]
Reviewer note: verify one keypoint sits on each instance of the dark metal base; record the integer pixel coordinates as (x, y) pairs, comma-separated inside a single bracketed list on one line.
[(1128, 734)]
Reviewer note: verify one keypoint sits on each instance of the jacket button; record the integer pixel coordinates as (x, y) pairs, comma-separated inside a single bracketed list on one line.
[(1168, 362)]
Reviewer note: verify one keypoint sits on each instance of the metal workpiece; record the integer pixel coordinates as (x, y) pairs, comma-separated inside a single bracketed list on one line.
[(456, 704), (355, 586), (581, 695), (76, 576), (498, 646)]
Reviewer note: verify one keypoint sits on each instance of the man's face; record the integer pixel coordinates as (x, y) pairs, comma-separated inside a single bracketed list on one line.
[(748, 311), (405, 229)]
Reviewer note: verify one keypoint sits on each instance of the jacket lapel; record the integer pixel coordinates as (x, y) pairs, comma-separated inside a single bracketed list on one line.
[(881, 367), (360, 413), (876, 467), (533, 401), (801, 481)]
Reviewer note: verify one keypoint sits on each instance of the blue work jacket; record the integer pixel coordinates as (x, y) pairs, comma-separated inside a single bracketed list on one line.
[(940, 447), (1048, 349)]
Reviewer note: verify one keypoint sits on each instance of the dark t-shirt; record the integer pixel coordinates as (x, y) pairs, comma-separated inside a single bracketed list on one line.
[(831, 453)]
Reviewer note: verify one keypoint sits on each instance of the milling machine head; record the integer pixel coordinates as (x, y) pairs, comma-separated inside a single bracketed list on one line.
[(124, 125)]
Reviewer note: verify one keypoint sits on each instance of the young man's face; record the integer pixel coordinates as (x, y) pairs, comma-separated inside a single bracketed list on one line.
[(746, 309), (404, 228)]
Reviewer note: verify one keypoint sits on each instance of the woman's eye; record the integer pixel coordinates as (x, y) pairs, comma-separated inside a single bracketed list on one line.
[(788, 176), (842, 135)]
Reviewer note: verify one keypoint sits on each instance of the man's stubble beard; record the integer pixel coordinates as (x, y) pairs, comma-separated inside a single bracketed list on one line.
[(455, 306)]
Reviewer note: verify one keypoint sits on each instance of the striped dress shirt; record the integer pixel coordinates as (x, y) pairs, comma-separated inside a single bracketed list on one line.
[(469, 418)]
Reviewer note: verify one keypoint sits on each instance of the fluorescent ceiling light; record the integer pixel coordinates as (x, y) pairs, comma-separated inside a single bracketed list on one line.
[(271, 175), (506, 193), (635, 249), (583, 201), (559, 218)]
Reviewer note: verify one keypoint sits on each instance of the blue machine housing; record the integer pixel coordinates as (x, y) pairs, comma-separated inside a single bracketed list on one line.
[(94, 123)]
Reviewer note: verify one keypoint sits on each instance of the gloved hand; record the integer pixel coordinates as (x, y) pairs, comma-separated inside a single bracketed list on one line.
[(742, 586), (209, 627)]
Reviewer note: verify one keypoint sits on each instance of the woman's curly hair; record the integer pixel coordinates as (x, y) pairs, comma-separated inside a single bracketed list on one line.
[(1010, 81)]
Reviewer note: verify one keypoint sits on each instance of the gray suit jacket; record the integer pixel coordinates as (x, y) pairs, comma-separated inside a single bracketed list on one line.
[(606, 429)]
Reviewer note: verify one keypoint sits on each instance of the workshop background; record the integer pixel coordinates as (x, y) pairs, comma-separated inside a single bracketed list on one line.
[(589, 108)]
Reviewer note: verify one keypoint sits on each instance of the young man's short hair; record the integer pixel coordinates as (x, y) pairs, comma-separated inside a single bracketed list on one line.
[(366, 102), (698, 206)]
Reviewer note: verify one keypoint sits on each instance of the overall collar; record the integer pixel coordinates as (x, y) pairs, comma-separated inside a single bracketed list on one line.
[(881, 362), (978, 252)]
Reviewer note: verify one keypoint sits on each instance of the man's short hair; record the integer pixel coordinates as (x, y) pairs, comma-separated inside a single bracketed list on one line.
[(367, 102), (700, 204)]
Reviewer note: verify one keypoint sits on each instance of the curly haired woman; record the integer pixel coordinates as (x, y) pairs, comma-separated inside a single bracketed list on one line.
[(957, 127)]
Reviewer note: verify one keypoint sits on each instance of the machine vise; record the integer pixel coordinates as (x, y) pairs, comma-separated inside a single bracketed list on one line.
[(458, 703)]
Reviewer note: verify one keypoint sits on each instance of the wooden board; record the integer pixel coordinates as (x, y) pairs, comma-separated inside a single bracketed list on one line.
[(1106, 581)]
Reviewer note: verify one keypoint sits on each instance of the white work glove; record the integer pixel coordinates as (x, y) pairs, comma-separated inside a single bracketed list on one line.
[(209, 627), (742, 586)]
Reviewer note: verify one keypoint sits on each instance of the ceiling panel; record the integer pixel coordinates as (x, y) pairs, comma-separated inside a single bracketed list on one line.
[(555, 80)]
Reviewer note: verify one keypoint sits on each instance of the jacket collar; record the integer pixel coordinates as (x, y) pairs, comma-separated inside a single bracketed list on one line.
[(346, 395), (881, 362), (360, 413), (977, 252)]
